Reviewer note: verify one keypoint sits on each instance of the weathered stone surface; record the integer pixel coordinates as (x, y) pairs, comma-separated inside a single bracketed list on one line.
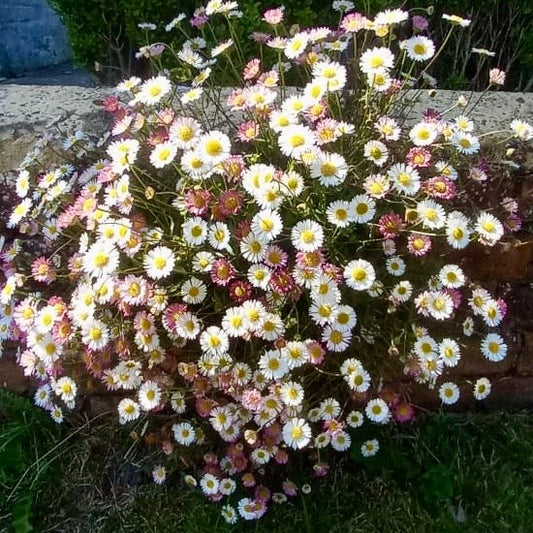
[(31, 36)]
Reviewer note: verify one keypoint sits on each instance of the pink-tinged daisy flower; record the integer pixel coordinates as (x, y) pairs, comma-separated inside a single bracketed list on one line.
[(42, 270), (354, 22), (418, 244), (240, 291), (273, 16), (404, 413), (248, 131), (197, 201), (440, 187), (222, 272), (390, 225)]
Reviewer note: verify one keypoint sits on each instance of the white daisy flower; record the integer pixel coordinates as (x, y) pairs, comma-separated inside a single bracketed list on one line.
[(194, 231), (440, 305), (336, 340), (296, 45), (489, 228), (149, 395), (307, 236), (404, 178), (395, 266), (219, 235), (402, 291), (491, 313), (355, 419), (493, 347), (449, 352), (369, 448), (376, 58), (296, 433), (329, 168), (345, 318), (128, 410), (267, 224), (184, 433), (234, 322), (333, 74), (457, 230), (291, 393), (377, 411), (423, 134), (101, 259), (209, 484), (377, 152), (362, 209), (273, 365), (214, 341), (253, 247), (449, 393), (214, 147), (419, 48), (153, 90), (341, 441), (451, 276), (465, 143), (296, 139), (193, 291), (338, 213), (359, 274), (163, 154), (159, 262), (482, 388)]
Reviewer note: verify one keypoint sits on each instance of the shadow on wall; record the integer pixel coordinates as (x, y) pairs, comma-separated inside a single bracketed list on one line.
[(31, 36)]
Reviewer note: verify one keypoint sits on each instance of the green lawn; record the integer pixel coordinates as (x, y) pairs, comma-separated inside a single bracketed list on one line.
[(446, 473)]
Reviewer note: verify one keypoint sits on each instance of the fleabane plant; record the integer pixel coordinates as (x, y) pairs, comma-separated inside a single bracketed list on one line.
[(253, 262)]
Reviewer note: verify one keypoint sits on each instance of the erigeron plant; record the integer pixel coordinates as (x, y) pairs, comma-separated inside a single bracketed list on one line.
[(257, 279)]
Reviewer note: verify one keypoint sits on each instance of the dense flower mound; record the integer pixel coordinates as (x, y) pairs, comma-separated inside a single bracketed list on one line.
[(256, 278)]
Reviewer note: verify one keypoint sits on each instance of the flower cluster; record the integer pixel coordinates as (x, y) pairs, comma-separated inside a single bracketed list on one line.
[(255, 278)]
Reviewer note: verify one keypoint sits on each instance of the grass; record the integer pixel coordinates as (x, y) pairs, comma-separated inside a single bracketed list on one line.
[(447, 473)]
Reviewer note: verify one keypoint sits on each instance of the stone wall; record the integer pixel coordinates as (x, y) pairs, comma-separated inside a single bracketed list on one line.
[(31, 36), (506, 270)]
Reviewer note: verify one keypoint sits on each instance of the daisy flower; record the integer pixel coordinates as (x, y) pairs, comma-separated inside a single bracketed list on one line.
[(219, 235), (336, 340), (194, 231), (101, 259), (489, 228), (267, 224), (465, 143), (296, 433), (234, 322), (359, 274), (153, 90), (456, 20), (369, 448), (338, 213), (449, 393), (390, 16), (457, 230), (404, 178), (522, 130), (295, 139), (184, 433), (395, 266), (184, 132), (291, 393), (419, 48), (423, 134), (163, 154), (214, 341), (159, 262), (56, 413), (493, 347), (330, 169), (377, 411), (362, 209), (273, 365), (149, 395), (214, 147), (295, 46), (359, 380), (209, 484), (330, 72), (159, 474), (431, 214), (440, 305), (491, 313), (482, 388), (66, 388), (449, 352), (377, 152), (355, 419), (376, 58), (128, 410), (19, 212), (307, 236), (451, 276)]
